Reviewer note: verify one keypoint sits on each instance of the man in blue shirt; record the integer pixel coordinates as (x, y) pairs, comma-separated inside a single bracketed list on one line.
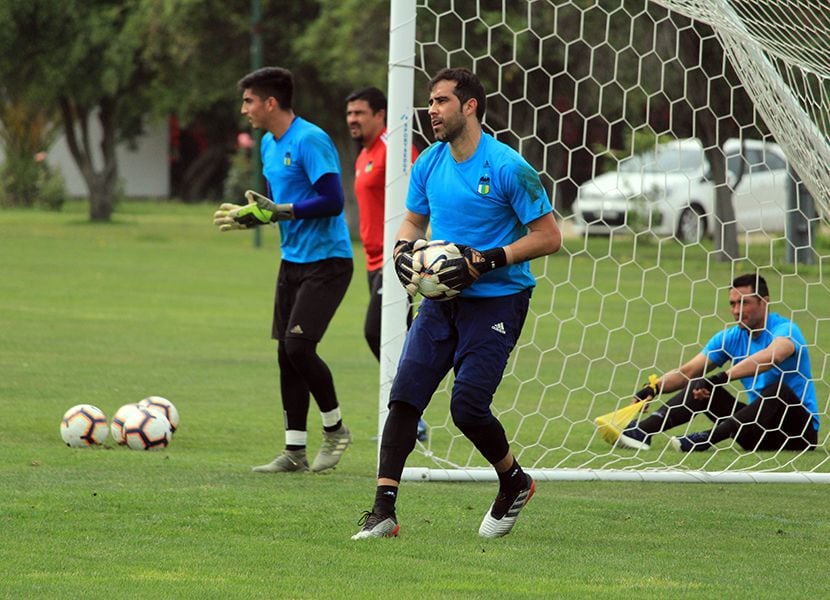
[(768, 355), (477, 193), (305, 198)]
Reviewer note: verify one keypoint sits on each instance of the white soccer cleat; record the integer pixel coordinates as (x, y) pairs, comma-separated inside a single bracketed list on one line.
[(632, 443), (502, 514), (330, 453), (374, 525)]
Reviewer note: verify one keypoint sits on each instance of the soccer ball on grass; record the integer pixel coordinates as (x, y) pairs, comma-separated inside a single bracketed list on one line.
[(147, 430), (84, 425), (118, 420), (163, 406)]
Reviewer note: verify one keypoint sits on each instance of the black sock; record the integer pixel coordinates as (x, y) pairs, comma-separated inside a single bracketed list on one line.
[(294, 447), (385, 497), (334, 427), (513, 479)]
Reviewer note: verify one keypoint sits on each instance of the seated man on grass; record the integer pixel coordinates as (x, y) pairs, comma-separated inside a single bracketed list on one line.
[(768, 355)]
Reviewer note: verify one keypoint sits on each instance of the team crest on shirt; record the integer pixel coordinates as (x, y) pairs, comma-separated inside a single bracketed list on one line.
[(368, 168), (286, 160), (484, 185)]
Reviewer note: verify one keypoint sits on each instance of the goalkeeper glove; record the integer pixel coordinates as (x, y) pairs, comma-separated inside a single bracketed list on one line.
[(409, 274), (258, 211), (483, 261), (650, 390), (460, 273), (708, 383), (275, 212)]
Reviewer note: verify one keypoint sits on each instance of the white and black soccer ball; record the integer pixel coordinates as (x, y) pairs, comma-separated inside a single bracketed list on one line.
[(147, 430), (84, 425), (165, 407), (118, 420), (431, 259)]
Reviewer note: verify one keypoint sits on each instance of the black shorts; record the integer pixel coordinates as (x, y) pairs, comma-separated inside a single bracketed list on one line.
[(307, 296)]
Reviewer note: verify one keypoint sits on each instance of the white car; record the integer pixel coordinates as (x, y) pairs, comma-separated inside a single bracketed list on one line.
[(669, 191)]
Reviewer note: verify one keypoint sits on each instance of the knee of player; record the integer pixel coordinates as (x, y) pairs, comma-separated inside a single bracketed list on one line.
[(470, 406), (298, 350)]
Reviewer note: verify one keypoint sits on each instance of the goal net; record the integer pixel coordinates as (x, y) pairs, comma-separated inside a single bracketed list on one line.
[(683, 142)]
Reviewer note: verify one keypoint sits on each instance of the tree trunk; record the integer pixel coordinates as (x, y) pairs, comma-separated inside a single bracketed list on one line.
[(100, 183), (726, 230)]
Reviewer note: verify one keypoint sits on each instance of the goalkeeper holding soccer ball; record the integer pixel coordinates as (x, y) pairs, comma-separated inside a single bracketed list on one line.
[(485, 198), (302, 170), (768, 355)]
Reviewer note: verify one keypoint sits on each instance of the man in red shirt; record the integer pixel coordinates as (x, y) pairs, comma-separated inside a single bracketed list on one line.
[(366, 118)]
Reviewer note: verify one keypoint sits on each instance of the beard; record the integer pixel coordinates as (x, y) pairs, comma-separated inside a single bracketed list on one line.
[(454, 126)]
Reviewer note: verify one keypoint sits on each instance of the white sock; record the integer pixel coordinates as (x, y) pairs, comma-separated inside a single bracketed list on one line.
[(294, 437), (331, 418)]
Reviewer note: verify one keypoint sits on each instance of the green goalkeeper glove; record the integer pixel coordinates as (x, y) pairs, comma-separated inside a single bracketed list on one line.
[(259, 211), (275, 212)]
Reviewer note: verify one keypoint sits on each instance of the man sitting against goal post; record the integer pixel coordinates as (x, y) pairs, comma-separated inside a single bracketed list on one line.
[(769, 356)]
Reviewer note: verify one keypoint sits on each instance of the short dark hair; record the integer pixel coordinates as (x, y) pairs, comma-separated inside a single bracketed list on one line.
[(754, 281), (270, 81), (467, 86), (372, 95)]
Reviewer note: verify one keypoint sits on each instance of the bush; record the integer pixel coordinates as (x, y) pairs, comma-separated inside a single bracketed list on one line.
[(28, 183), (52, 192), (239, 177)]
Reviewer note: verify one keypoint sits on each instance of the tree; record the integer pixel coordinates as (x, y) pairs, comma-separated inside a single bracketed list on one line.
[(107, 60)]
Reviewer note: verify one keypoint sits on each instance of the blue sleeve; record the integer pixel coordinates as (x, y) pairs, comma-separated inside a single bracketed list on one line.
[(416, 197), (327, 203), (715, 349)]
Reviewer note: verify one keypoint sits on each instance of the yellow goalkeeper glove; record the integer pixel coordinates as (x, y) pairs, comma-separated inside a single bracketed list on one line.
[(259, 211)]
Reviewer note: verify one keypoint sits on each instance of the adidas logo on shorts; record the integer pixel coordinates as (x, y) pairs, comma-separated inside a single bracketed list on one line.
[(498, 327), (296, 329)]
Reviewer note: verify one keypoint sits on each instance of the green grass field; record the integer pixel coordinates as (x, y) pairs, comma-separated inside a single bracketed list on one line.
[(159, 303)]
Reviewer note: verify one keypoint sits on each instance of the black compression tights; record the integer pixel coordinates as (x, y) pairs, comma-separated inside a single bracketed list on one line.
[(303, 372)]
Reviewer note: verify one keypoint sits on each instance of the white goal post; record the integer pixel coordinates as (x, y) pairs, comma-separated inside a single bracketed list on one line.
[(592, 93)]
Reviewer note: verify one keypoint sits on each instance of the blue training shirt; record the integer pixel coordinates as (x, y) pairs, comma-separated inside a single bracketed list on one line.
[(735, 344), (291, 165), (484, 202)]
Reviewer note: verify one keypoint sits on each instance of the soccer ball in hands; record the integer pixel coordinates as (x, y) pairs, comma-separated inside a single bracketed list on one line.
[(163, 406), (431, 259), (147, 430), (118, 420), (84, 425)]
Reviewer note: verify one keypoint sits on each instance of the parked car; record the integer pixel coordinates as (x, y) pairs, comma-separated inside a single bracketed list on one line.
[(669, 191)]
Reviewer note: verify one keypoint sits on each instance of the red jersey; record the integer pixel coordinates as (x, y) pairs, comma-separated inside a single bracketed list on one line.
[(369, 189)]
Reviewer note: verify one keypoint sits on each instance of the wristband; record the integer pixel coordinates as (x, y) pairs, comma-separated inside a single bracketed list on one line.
[(486, 260), (718, 378)]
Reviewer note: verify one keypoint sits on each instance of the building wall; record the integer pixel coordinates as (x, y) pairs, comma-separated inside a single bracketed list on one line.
[(144, 169)]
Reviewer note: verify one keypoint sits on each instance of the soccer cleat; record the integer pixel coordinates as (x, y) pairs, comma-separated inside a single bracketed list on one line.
[(422, 430), (694, 442), (334, 445), (634, 438), (374, 525), (287, 462), (502, 514)]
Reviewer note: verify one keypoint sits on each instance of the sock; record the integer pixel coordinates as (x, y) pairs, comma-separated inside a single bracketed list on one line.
[(295, 440), (331, 420), (513, 479), (385, 497), (335, 427)]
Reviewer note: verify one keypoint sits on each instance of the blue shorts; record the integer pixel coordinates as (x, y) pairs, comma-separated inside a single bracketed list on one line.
[(472, 336)]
